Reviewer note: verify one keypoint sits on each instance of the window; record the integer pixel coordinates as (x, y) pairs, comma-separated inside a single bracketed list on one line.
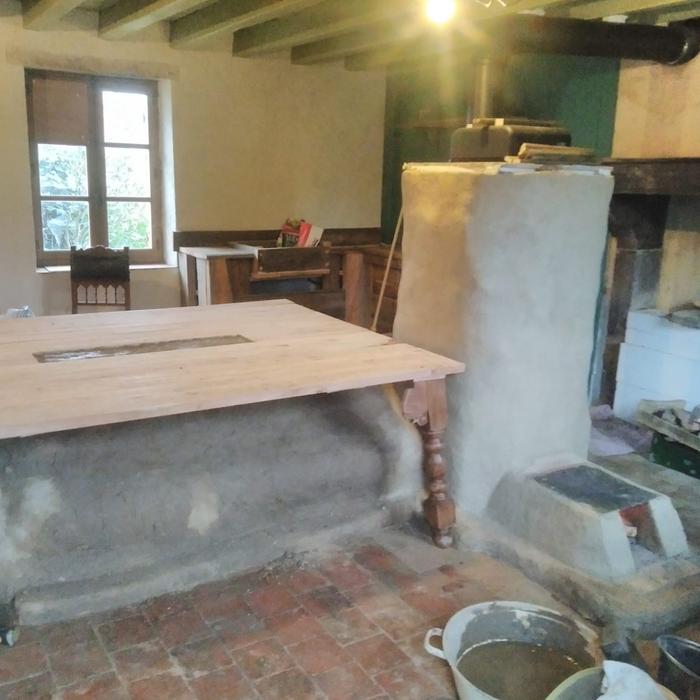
[(95, 164)]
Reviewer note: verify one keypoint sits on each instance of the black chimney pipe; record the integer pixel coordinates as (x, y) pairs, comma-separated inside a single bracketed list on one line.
[(672, 45)]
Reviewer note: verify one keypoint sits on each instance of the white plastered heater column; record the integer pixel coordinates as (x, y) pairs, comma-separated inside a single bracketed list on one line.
[(502, 269)]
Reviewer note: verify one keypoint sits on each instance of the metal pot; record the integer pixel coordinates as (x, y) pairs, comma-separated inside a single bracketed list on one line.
[(679, 666), (511, 621)]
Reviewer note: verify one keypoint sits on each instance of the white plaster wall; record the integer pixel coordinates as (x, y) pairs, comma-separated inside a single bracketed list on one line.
[(253, 141), (658, 111)]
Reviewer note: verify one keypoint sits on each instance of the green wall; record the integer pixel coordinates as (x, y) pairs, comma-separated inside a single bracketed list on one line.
[(579, 92)]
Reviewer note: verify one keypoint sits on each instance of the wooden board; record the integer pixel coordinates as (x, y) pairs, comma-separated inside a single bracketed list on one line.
[(679, 282), (661, 176), (294, 352), (204, 253)]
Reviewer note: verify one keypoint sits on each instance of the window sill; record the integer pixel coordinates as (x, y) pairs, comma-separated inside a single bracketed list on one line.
[(66, 268)]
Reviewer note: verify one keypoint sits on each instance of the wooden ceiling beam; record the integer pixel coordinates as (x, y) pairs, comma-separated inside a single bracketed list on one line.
[(44, 14), (128, 16), (328, 19), (609, 8), (230, 16), (382, 36), (681, 13), (338, 47), (410, 57)]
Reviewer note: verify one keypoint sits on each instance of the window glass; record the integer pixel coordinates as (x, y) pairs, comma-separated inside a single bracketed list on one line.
[(65, 224), (129, 224), (62, 170), (125, 117), (128, 172)]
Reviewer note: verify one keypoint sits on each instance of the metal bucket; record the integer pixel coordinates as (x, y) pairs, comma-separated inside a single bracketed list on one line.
[(511, 621), (679, 666), (585, 685)]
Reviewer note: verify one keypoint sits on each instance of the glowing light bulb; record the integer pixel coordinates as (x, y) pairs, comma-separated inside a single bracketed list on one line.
[(441, 11)]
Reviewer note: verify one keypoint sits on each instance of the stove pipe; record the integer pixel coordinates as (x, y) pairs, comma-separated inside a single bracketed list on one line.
[(675, 44)]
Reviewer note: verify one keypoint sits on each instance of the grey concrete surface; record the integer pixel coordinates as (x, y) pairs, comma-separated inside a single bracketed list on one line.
[(659, 598), (96, 518), (589, 539)]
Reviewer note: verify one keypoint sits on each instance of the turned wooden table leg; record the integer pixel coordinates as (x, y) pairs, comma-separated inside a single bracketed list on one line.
[(426, 405)]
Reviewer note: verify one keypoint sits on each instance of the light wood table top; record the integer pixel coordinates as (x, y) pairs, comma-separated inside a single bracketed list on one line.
[(292, 351), (204, 253)]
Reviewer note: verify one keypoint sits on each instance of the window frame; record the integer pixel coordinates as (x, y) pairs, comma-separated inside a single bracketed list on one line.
[(96, 174)]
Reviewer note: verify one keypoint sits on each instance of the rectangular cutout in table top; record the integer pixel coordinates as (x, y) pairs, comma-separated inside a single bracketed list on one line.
[(139, 348)]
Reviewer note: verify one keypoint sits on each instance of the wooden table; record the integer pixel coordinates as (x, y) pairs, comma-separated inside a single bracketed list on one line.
[(67, 372)]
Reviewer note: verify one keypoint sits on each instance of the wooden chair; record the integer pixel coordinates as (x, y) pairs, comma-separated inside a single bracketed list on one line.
[(100, 279)]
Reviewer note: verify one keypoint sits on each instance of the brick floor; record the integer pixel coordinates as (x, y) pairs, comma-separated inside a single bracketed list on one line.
[(347, 628)]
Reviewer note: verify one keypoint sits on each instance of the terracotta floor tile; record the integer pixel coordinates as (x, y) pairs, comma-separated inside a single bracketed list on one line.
[(437, 669), (181, 628), (372, 597), (220, 604), (106, 687), (294, 626), (100, 618), (318, 655), (270, 600), (239, 632), (163, 687), (35, 688), (127, 632), (377, 654), (400, 621), (78, 662), (385, 566), (325, 601), (142, 661), (20, 662), (224, 685), (304, 580), (343, 573), (203, 656), (348, 626), (427, 597), (61, 635), (289, 685), (407, 683), (347, 682), (165, 605), (263, 659)]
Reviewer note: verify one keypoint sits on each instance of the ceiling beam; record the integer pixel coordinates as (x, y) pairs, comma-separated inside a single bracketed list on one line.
[(327, 20), (384, 35), (608, 8), (231, 15), (423, 54), (43, 14), (681, 13), (338, 47), (128, 16)]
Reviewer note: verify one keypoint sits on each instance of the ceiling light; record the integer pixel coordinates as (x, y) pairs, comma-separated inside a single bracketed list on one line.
[(441, 11)]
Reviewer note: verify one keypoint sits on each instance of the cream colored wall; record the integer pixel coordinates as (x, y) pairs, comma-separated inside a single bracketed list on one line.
[(253, 141), (658, 111)]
